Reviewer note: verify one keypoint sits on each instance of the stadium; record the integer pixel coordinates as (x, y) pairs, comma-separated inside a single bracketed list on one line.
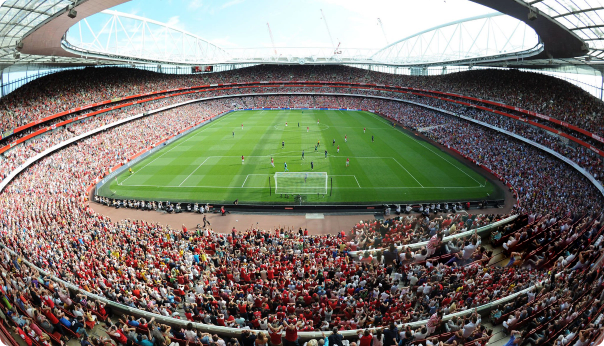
[(239, 173)]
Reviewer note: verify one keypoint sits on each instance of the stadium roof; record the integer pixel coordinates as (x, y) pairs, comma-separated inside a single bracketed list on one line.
[(585, 18), (570, 31), (20, 18)]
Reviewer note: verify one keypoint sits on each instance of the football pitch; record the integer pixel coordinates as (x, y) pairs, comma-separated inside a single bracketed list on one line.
[(206, 166)]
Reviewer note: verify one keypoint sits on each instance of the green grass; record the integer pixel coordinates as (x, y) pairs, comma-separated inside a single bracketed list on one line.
[(205, 165)]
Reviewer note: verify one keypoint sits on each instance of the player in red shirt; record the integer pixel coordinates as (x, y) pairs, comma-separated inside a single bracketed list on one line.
[(242, 159)]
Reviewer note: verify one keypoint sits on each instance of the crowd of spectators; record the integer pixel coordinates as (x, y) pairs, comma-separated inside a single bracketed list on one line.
[(55, 210), (411, 229), (548, 185), (137, 79), (284, 280), (581, 155), (532, 91), (20, 153)]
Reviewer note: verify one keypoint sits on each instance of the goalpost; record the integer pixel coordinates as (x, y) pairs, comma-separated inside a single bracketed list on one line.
[(301, 183)]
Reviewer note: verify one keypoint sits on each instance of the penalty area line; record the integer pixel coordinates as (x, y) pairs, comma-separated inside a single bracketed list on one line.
[(191, 135), (444, 159), (204, 161), (395, 160), (247, 176), (346, 175)]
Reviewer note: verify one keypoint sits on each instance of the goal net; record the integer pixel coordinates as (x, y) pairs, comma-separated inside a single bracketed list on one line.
[(301, 183)]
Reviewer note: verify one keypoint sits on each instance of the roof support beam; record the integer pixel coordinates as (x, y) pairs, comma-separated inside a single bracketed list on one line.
[(587, 27), (578, 11), (31, 10), (559, 41)]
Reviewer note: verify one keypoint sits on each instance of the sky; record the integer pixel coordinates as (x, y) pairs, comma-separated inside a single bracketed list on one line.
[(353, 23)]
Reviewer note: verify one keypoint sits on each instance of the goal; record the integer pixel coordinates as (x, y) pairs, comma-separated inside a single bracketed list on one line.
[(301, 183)]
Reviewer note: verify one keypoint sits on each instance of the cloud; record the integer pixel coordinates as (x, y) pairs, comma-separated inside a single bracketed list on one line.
[(231, 3), (175, 22), (134, 11), (194, 4), (224, 42)]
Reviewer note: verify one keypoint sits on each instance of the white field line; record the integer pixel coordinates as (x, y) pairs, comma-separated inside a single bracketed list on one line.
[(346, 175), (204, 161), (420, 184), (420, 143), (245, 180), (174, 147), (383, 120), (297, 156), (449, 162), (340, 188)]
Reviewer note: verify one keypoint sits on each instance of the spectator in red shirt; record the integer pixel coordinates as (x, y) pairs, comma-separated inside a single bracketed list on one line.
[(291, 332), (365, 338), (275, 332)]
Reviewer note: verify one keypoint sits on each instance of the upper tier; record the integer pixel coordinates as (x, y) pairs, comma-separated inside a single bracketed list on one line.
[(66, 90)]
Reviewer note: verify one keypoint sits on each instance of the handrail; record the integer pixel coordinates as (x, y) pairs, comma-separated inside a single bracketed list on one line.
[(236, 331), (482, 229)]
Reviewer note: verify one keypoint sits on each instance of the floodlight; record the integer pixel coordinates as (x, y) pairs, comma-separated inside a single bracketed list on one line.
[(71, 12)]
